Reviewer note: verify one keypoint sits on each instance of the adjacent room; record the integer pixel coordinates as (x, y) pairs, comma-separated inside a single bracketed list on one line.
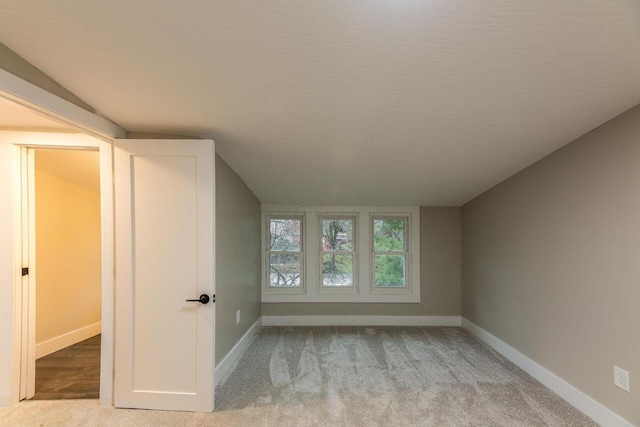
[(67, 272), (387, 213)]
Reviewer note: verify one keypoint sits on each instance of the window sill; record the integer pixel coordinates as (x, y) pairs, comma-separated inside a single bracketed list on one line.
[(342, 297)]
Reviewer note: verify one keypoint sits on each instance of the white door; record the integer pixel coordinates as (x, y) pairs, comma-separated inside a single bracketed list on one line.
[(164, 238)]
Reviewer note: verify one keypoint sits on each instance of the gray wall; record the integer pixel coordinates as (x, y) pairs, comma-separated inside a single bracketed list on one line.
[(551, 262), (237, 258), (439, 276), (14, 64)]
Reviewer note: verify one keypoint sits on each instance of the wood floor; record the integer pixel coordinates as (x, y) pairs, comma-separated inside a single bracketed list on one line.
[(71, 373)]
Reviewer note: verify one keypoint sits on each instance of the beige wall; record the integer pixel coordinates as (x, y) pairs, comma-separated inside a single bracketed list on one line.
[(68, 272), (16, 65), (551, 262), (237, 258), (439, 276)]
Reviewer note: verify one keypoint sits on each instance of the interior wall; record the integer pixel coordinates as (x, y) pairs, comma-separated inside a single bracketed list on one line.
[(68, 256), (551, 262), (440, 253), (237, 258), (6, 271), (16, 65)]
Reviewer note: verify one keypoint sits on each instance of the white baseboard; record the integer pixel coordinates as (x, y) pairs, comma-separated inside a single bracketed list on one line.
[(226, 364), (361, 320), (586, 404), (65, 340)]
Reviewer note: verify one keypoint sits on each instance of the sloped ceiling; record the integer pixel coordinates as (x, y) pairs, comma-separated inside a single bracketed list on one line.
[(381, 102), (17, 117), (80, 167)]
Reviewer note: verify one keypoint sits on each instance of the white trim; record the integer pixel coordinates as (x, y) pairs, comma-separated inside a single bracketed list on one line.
[(65, 340), (361, 320), (50, 140), (18, 373), (107, 249), (35, 139), (29, 303), (584, 403), (49, 105), (227, 364)]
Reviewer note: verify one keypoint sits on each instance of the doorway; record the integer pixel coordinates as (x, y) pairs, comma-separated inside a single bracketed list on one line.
[(24, 145), (65, 273), (39, 119)]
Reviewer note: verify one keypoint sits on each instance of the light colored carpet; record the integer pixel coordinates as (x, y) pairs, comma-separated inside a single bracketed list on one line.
[(348, 376)]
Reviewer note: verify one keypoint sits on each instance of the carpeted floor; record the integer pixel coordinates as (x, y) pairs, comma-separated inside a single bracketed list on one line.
[(348, 376)]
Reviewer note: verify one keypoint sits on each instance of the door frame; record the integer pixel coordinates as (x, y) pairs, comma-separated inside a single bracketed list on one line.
[(32, 140), (92, 126)]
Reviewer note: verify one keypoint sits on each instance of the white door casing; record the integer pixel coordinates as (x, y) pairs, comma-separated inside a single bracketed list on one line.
[(28, 290), (22, 203), (165, 243)]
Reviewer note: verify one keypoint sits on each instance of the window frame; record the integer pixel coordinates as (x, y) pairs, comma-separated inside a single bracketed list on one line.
[(311, 290), (354, 253), (406, 253), (267, 252)]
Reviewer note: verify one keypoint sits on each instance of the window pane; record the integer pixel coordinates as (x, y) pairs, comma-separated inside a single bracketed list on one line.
[(337, 270), (337, 234), (389, 270), (284, 270), (388, 235), (284, 234)]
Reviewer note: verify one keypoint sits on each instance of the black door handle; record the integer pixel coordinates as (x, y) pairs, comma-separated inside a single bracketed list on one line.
[(204, 298)]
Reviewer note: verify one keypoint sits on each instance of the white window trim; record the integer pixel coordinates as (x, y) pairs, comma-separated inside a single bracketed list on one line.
[(266, 289), (312, 291)]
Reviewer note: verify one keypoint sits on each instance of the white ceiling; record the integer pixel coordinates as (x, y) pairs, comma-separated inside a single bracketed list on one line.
[(363, 102)]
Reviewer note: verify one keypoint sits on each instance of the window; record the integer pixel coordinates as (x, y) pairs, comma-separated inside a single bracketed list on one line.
[(285, 254), (359, 254), (337, 252), (389, 252)]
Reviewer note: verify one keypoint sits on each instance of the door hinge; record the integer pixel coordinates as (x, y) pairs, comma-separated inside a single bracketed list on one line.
[(213, 298), (25, 271)]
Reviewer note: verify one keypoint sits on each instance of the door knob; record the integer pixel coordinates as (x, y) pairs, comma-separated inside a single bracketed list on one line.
[(204, 298)]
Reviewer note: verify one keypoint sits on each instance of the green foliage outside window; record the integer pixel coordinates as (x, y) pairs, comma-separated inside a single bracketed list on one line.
[(389, 236), (389, 270)]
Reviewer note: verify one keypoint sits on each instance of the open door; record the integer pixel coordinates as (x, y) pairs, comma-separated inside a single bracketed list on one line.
[(164, 238)]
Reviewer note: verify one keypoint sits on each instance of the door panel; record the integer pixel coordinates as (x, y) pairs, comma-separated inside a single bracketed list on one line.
[(164, 192)]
